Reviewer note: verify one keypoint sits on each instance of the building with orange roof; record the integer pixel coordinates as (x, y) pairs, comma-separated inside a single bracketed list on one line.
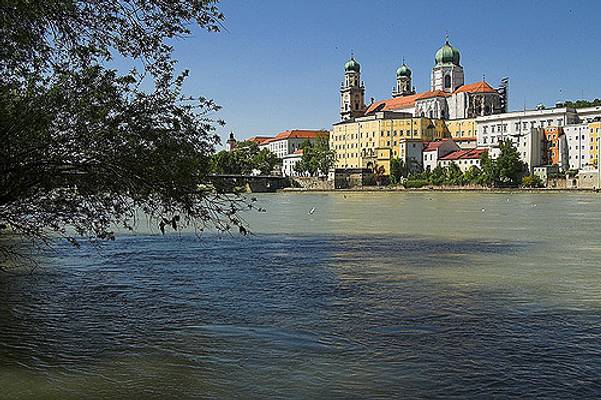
[(287, 142), (464, 159), (433, 151), (258, 139), (448, 97), (369, 136)]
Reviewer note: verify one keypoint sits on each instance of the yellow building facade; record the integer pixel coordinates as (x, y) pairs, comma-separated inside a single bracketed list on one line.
[(372, 141), (462, 129)]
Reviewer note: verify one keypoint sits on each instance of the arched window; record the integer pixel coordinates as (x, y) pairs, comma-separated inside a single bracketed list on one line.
[(447, 81)]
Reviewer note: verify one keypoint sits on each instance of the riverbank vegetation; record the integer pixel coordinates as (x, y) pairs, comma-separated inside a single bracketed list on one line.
[(506, 170), (85, 146)]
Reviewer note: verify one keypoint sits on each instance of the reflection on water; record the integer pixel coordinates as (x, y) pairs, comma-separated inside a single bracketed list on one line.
[(388, 303)]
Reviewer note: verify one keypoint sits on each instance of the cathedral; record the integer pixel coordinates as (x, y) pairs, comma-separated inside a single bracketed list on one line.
[(449, 98)]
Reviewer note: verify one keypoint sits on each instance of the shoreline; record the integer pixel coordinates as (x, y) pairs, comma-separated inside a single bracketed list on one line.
[(440, 190)]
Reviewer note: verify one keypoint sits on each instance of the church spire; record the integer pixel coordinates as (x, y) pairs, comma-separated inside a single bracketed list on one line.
[(352, 91)]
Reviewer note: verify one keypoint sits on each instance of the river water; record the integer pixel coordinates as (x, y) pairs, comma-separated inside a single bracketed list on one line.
[(373, 296)]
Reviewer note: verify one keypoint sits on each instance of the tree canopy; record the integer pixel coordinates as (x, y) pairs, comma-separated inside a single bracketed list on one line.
[(510, 167), (317, 157), (245, 158), (582, 103), (84, 146), (506, 170), (398, 170)]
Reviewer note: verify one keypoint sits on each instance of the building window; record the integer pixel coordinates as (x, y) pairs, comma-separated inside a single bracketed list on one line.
[(447, 81)]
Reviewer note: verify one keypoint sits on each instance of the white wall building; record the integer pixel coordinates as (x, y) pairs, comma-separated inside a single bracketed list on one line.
[(289, 161), (288, 142), (530, 147), (578, 139), (464, 159), (434, 150), (588, 114), (524, 129), (494, 128)]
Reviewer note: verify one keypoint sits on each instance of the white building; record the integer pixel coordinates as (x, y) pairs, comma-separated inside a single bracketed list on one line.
[(464, 159), (288, 142), (434, 150), (525, 129), (410, 151), (495, 128), (578, 139), (289, 161), (589, 114)]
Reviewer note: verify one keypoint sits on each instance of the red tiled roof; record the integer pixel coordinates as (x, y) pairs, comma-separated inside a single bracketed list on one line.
[(431, 146), (433, 93), (394, 104), (296, 134), (405, 101), (408, 101), (478, 87), (258, 139), (464, 154)]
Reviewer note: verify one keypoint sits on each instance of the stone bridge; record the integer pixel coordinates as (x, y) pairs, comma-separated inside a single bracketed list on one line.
[(249, 183)]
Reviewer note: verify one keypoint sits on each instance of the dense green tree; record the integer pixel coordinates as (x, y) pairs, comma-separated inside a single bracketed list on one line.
[(265, 161), (398, 170), (317, 157), (85, 147), (509, 165), (225, 162), (532, 181), (438, 175), (453, 175), (489, 173), (244, 159), (472, 175), (245, 153)]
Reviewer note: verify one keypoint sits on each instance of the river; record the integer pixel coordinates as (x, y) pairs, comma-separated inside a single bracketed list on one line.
[(373, 296)]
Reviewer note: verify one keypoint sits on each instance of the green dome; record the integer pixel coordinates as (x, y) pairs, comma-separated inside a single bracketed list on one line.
[(447, 54), (352, 65), (403, 71)]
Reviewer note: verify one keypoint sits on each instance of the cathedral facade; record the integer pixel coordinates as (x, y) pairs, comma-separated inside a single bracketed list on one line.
[(448, 98), (369, 136)]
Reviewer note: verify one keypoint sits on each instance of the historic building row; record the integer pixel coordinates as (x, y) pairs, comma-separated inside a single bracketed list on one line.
[(473, 115)]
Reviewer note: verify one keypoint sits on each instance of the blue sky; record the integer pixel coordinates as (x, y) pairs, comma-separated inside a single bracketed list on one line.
[(279, 63)]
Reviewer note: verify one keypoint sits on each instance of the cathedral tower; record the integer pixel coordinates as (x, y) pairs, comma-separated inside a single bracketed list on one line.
[(447, 74), (403, 82), (352, 91)]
